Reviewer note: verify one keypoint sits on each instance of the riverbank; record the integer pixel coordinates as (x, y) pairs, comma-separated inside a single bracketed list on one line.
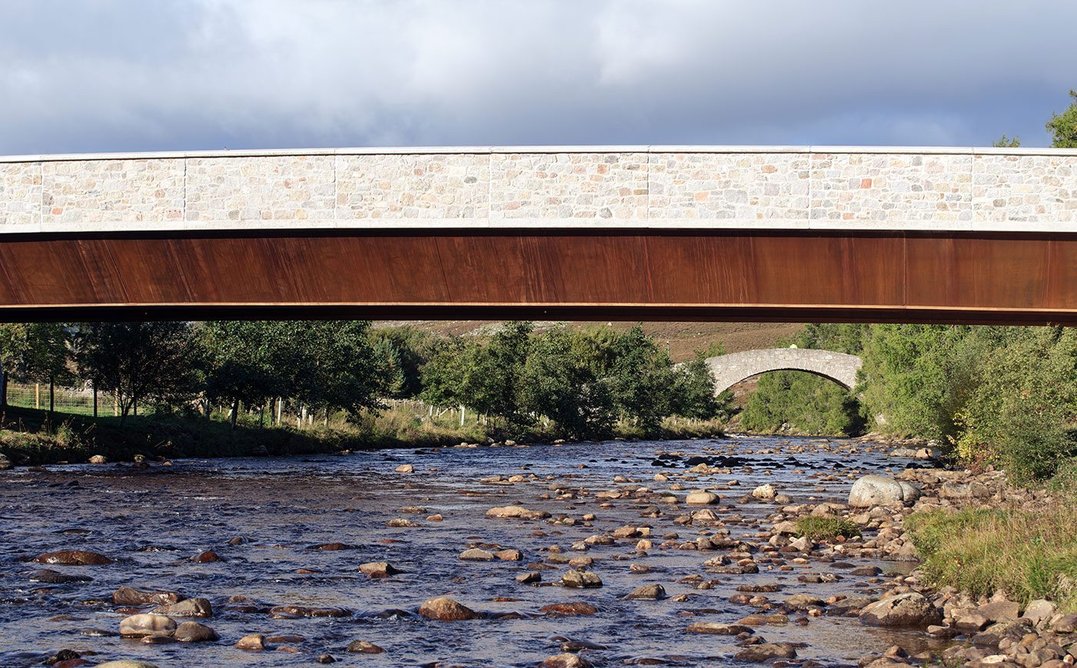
[(27, 438)]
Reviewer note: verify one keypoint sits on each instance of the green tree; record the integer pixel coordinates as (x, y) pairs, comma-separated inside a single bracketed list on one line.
[(140, 361), (45, 356), (1007, 142), (641, 380), (443, 376), (242, 363), (918, 377), (330, 365), (1020, 414), (692, 394), (403, 351), (12, 348), (559, 381), (1063, 127), (489, 375)]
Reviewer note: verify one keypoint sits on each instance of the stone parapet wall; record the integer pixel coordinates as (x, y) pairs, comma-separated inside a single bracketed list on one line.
[(789, 188)]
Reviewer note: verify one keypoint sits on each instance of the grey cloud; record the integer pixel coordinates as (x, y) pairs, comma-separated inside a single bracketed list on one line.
[(191, 74)]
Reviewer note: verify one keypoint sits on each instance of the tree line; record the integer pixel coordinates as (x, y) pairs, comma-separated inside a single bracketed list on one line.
[(579, 383)]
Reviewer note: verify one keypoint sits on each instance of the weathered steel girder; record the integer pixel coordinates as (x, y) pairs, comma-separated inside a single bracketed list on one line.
[(628, 274)]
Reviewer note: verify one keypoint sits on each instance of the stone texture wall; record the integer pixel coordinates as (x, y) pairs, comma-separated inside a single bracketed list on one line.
[(780, 188)]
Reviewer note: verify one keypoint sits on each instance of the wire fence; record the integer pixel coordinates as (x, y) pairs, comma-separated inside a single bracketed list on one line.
[(73, 400)]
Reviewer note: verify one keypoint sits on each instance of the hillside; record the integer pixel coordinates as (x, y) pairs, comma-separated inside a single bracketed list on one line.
[(682, 338)]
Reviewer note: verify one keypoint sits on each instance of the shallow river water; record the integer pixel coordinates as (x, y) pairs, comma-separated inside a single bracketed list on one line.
[(153, 521)]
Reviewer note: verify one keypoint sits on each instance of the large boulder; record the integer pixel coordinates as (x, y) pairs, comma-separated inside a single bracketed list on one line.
[(910, 609), (880, 490)]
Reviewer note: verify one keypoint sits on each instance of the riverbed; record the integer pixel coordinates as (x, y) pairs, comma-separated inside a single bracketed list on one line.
[(265, 518)]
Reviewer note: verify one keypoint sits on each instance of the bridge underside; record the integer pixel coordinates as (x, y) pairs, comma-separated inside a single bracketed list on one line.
[(739, 275)]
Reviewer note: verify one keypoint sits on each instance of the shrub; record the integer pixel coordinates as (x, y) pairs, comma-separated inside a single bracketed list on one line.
[(826, 528)]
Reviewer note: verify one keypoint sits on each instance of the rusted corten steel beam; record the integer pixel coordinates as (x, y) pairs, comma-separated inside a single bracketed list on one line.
[(608, 274)]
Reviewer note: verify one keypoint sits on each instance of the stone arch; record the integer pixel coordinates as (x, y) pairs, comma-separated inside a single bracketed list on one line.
[(731, 369)]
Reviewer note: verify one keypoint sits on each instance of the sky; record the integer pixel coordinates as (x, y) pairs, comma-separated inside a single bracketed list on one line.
[(147, 75)]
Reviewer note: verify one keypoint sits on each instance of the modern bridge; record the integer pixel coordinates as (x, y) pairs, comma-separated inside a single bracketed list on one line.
[(593, 233)]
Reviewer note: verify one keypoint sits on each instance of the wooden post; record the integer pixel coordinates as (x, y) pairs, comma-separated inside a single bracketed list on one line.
[(3, 388), (95, 399), (52, 397), (462, 412), (37, 396)]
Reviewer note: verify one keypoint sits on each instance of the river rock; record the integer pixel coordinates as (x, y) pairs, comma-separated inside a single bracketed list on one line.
[(516, 512), (566, 660), (379, 569), (5, 463), (49, 576), (530, 577), (299, 611), (573, 609), (879, 490), (766, 651), (73, 558), (445, 609), (192, 607), (405, 468), (364, 647), (701, 498), (715, 628), (207, 557), (253, 642), (137, 626), (958, 490), (1000, 611), (194, 632), (132, 596), (649, 592), (910, 609), (126, 663), (509, 555), (475, 554), (765, 492), (1039, 612), (581, 579)]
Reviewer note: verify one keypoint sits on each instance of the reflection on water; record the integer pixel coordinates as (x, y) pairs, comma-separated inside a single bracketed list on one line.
[(153, 521)]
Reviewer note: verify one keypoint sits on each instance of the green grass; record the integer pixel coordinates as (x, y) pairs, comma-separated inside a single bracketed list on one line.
[(826, 528), (1026, 554)]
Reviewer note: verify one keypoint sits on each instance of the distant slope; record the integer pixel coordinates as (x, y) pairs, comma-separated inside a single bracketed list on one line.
[(682, 338)]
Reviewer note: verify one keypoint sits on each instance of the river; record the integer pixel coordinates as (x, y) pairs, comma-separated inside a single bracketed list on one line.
[(153, 521)]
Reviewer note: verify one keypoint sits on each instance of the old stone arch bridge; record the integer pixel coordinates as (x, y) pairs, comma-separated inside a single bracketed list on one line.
[(731, 369)]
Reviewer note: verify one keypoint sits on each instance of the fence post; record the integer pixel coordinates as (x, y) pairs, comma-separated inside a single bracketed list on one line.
[(462, 410), (37, 396), (3, 388), (94, 384)]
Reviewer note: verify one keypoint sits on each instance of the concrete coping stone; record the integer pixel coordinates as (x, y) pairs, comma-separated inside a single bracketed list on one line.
[(490, 150)]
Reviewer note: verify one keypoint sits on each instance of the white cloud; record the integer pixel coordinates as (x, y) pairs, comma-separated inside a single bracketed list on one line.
[(131, 74)]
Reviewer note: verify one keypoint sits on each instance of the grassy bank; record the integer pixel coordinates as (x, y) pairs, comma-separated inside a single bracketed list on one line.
[(1028, 554), (28, 437)]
